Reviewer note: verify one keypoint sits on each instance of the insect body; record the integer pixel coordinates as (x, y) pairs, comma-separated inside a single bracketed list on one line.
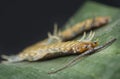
[(74, 30), (48, 48), (84, 26), (56, 49), (57, 44), (91, 51)]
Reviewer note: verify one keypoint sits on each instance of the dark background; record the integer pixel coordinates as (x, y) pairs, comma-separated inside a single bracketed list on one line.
[(24, 22)]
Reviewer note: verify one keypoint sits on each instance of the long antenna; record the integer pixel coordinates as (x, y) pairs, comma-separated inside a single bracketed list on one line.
[(91, 51)]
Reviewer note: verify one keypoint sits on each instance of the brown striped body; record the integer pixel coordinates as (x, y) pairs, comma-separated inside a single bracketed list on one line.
[(53, 50), (84, 26), (78, 29), (43, 49)]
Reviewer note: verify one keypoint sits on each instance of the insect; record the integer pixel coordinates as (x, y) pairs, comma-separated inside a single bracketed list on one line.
[(73, 31), (84, 26), (56, 44), (91, 51)]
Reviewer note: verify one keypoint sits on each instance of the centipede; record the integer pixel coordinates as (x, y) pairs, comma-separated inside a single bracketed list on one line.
[(59, 44)]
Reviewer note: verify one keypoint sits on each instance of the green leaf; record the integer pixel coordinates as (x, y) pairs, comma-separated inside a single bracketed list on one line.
[(102, 65)]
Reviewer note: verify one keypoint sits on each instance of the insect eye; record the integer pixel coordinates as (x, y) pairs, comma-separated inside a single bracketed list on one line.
[(95, 42), (86, 46)]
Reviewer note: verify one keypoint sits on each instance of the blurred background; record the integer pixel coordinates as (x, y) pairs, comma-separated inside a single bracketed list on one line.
[(25, 22)]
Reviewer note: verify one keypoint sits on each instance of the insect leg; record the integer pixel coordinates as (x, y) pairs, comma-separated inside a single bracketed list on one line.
[(83, 37), (91, 51), (91, 37), (56, 35)]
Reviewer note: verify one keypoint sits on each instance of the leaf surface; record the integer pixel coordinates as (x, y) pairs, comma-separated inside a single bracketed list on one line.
[(102, 65)]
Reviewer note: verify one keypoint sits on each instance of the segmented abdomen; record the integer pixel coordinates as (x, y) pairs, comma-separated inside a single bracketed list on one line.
[(43, 49), (61, 47), (84, 26), (78, 28), (49, 51)]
